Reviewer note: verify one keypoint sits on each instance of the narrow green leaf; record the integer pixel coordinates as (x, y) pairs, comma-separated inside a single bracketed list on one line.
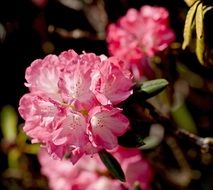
[(183, 118), (199, 21), (200, 47), (189, 27), (130, 140), (112, 165), (9, 122), (153, 87)]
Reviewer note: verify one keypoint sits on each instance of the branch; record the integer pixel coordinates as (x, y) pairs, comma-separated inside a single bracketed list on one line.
[(205, 143)]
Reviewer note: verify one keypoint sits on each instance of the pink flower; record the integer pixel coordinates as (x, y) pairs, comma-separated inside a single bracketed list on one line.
[(136, 168), (70, 108), (106, 123), (39, 114), (62, 175), (110, 82), (90, 173), (43, 75), (139, 34), (85, 175), (104, 183)]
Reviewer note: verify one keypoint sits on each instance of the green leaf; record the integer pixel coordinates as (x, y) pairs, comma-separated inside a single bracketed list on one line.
[(200, 48), (9, 122), (32, 148), (153, 87), (130, 140), (21, 137), (199, 21), (13, 156), (112, 165), (189, 27), (155, 137), (183, 118)]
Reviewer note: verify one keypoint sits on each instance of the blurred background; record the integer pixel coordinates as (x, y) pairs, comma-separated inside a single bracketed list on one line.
[(31, 29)]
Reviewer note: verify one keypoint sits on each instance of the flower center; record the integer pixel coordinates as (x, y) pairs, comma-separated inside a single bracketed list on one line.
[(96, 122)]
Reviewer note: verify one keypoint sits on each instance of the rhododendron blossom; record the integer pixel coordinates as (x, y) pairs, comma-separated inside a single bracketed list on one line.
[(136, 168), (90, 173), (140, 34), (71, 107)]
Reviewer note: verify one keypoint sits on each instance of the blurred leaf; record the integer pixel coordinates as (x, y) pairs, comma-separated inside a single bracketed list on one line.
[(130, 140), (32, 148), (137, 186), (9, 122), (112, 165), (13, 156), (21, 138), (97, 16), (73, 4), (194, 80), (155, 137), (2, 33), (189, 27), (183, 118), (151, 142), (153, 87)]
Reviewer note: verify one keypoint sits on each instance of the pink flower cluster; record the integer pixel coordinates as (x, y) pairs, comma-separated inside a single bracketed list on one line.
[(71, 107), (140, 34), (90, 173)]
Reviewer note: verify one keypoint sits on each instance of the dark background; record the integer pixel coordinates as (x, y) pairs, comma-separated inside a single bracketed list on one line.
[(27, 30)]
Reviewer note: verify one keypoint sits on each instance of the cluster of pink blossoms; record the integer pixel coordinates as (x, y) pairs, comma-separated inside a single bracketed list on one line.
[(138, 35), (90, 173), (71, 107)]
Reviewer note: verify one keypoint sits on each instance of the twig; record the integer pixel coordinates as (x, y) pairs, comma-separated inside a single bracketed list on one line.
[(206, 143)]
